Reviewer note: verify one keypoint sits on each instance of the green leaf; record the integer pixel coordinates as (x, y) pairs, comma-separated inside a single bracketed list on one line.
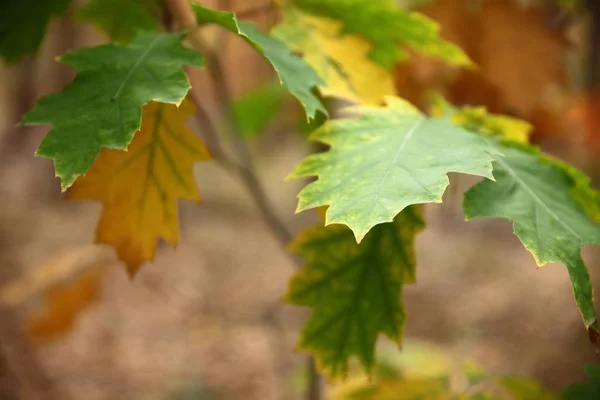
[(23, 25), (354, 290), (102, 107), (121, 19), (390, 158), (537, 196), (525, 389), (257, 108), (587, 390), (389, 28), (294, 73)]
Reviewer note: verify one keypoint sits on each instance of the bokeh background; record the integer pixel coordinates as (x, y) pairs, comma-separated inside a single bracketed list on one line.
[(206, 320)]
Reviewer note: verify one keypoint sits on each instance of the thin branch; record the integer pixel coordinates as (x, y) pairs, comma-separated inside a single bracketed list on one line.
[(181, 11)]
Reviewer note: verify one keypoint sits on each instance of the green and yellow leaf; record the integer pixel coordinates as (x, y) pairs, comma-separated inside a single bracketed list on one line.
[(121, 19), (386, 160), (102, 107), (341, 60), (139, 188), (537, 195), (294, 73), (389, 28), (354, 290), (23, 25)]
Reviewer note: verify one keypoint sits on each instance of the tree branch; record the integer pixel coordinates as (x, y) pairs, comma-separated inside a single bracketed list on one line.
[(182, 12)]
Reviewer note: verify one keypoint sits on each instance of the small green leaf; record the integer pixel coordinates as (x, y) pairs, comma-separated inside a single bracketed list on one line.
[(102, 107), (257, 108), (121, 19), (537, 196), (390, 158), (23, 25), (587, 390), (294, 73), (389, 28), (354, 290)]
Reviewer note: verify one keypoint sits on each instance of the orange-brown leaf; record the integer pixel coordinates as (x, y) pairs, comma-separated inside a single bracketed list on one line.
[(139, 188), (63, 304)]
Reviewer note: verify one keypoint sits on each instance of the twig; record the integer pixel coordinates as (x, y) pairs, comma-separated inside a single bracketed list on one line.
[(245, 168)]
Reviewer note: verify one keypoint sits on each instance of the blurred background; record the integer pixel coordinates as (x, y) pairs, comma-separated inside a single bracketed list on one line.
[(206, 320)]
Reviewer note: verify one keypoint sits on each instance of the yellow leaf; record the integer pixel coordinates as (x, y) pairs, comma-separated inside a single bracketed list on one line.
[(139, 188), (342, 61), (63, 304)]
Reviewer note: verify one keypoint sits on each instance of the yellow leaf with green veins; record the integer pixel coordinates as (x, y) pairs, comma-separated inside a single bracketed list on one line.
[(139, 188), (340, 59)]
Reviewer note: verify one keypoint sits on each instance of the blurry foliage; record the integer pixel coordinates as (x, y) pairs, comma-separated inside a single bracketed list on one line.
[(256, 109), (119, 137), (23, 25)]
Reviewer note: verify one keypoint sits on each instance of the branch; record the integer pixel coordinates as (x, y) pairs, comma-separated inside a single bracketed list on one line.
[(182, 12)]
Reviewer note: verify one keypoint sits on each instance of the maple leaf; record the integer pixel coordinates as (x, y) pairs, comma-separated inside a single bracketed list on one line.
[(341, 60), (102, 107), (538, 196), (388, 159), (139, 187), (387, 27), (63, 304), (23, 25), (354, 289), (294, 73), (121, 19)]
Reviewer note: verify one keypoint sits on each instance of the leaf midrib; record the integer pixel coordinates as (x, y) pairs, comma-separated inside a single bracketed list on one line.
[(386, 174), (536, 198), (136, 65)]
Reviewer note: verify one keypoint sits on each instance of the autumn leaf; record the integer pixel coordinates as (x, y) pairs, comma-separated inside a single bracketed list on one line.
[(121, 19), (294, 73), (539, 197), (388, 27), (354, 290), (63, 304), (388, 159), (139, 188), (23, 25), (479, 120), (340, 59), (102, 107)]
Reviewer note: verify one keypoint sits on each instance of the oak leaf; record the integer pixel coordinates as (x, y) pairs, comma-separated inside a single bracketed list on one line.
[(139, 188)]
